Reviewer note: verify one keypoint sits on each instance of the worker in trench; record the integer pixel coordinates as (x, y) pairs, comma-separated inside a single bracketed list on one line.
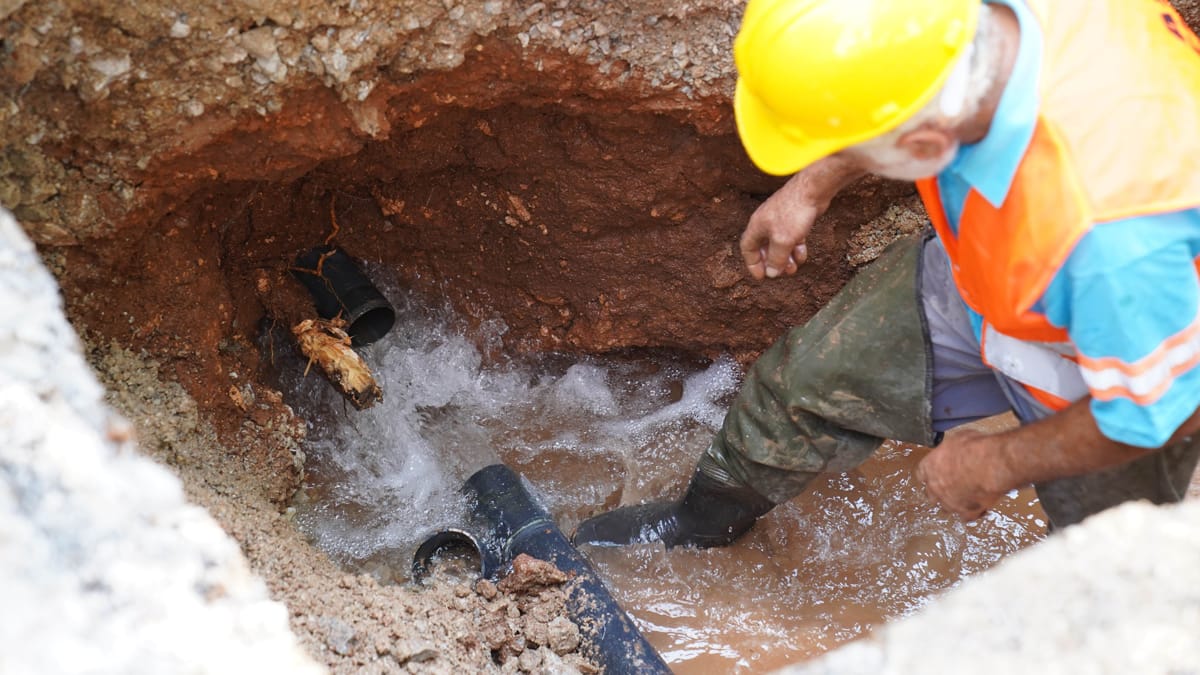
[(1056, 146)]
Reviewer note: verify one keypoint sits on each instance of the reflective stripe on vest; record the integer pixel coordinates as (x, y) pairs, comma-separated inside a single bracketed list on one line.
[(1116, 137), (1046, 366), (1056, 369), (1144, 381)]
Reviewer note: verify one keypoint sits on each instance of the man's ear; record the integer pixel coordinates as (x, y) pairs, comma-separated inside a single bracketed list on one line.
[(925, 142)]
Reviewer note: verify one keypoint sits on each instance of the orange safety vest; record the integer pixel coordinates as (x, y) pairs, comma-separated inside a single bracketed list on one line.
[(1117, 136)]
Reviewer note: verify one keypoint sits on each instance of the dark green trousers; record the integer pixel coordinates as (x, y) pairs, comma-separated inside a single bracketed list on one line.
[(893, 356)]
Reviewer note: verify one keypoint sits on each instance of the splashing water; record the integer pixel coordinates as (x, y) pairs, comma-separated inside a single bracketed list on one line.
[(380, 480), (593, 433)]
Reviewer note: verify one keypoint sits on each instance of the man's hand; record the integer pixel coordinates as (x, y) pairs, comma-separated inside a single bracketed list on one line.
[(962, 474), (774, 241)]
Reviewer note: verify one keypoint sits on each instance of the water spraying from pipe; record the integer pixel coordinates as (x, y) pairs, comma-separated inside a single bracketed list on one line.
[(592, 433)]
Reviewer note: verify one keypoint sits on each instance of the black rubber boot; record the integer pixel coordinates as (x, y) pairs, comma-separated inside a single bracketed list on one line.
[(710, 513)]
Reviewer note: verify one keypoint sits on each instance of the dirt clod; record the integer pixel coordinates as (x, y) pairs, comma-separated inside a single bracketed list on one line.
[(415, 651), (529, 574), (339, 636), (486, 588), (562, 635)]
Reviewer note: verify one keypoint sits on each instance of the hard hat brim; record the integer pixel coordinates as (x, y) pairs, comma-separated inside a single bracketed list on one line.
[(771, 148)]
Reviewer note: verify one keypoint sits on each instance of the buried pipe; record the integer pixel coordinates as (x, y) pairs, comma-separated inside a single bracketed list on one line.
[(514, 523), (353, 313), (340, 289)]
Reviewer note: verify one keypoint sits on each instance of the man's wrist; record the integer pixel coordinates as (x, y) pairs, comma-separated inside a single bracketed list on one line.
[(1000, 455)]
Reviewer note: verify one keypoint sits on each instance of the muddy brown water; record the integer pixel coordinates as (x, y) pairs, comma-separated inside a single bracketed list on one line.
[(590, 433), (851, 553)]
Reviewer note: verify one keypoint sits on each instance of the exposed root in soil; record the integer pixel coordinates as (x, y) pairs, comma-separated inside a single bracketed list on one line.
[(327, 344)]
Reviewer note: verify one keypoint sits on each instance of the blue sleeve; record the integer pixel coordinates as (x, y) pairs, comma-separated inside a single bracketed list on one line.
[(1129, 297)]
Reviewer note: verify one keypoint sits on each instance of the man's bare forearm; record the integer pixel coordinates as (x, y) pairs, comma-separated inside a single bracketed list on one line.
[(821, 181), (970, 471), (1068, 443)]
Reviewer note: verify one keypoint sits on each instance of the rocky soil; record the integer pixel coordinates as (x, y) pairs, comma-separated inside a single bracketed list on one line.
[(569, 167), (350, 622)]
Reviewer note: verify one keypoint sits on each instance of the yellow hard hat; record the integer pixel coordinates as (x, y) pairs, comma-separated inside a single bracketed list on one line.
[(817, 76)]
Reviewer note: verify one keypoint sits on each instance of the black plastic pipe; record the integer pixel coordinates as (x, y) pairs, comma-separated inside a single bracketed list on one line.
[(339, 287), (513, 522)]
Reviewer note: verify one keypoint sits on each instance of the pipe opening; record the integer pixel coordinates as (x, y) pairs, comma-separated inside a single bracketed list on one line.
[(456, 548), (340, 288)]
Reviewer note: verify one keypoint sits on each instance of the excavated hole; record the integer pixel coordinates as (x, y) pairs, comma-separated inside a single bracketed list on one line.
[(542, 239)]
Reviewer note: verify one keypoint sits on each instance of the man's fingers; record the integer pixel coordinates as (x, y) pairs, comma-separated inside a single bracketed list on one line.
[(754, 253), (940, 496), (923, 478), (790, 266), (758, 270), (771, 245), (800, 253), (796, 259), (781, 256), (756, 262)]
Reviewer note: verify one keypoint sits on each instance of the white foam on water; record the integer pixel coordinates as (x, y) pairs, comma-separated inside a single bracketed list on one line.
[(382, 479), (584, 387), (700, 401)]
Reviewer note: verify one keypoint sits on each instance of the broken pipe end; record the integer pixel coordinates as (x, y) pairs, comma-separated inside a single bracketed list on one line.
[(339, 287)]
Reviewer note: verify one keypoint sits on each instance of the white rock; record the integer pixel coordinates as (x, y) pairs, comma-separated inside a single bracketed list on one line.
[(180, 29), (259, 42)]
